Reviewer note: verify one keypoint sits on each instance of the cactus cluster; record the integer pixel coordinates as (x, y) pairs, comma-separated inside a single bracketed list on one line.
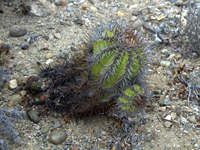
[(108, 76)]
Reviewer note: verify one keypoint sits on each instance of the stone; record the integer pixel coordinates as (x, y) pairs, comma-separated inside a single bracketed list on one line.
[(93, 8), (57, 136), (49, 61), (133, 6), (137, 24), (18, 32), (24, 46), (57, 124), (173, 115), (49, 55), (62, 3), (85, 6), (161, 17), (120, 14), (113, 10), (45, 130), (69, 9), (183, 120), (15, 98), (57, 35), (192, 119), (164, 51), (13, 84), (164, 102), (180, 3), (33, 116), (133, 18), (40, 8), (162, 109), (165, 63), (167, 124), (168, 117)]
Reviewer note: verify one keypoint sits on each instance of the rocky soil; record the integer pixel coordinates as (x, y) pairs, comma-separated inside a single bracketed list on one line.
[(47, 31)]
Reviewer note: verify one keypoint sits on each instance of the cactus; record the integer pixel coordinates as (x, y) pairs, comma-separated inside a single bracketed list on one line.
[(118, 56)]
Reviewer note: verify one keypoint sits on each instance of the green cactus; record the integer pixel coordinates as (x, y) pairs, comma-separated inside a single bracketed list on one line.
[(129, 99), (115, 64), (118, 55)]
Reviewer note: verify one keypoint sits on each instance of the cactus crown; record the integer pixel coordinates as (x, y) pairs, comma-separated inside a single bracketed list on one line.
[(117, 55)]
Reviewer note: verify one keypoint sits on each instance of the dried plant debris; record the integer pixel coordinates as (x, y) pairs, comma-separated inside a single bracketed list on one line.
[(7, 130)]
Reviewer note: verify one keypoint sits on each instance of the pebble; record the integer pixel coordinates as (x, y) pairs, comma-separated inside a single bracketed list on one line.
[(164, 102), (49, 55), (167, 124), (57, 136), (18, 67), (133, 18), (173, 115), (93, 8), (49, 61), (57, 124), (192, 119), (69, 9), (33, 116), (85, 6), (57, 35), (133, 6), (120, 14), (45, 130), (164, 51), (13, 84), (183, 120), (15, 98), (73, 48), (25, 46), (18, 32), (168, 117), (162, 109), (137, 24), (165, 63)]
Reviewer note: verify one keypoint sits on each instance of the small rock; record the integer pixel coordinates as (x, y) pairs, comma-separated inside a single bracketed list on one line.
[(161, 17), (45, 130), (73, 48), (180, 3), (49, 55), (15, 98), (151, 145), (49, 61), (167, 124), (23, 93), (173, 115), (165, 63), (21, 80), (13, 84), (85, 6), (57, 136), (33, 116), (135, 13), (120, 14), (18, 67), (162, 109), (168, 117), (93, 8), (133, 6), (183, 120), (24, 47), (164, 51), (57, 124), (133, 18), (192, 119), (187, 143), (18, 32), (57, 35), (62, 3), (164, 102), (137, 24), (113, 10), (69, 9)]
